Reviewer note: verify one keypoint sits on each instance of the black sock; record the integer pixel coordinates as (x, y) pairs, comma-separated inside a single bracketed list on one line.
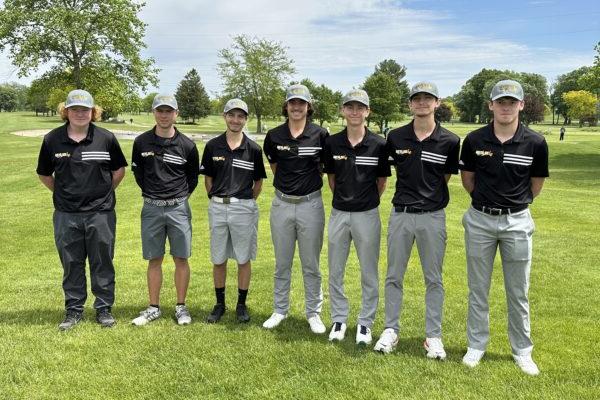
[(181, 304), (242, 293), (154, 305), (220, 293)]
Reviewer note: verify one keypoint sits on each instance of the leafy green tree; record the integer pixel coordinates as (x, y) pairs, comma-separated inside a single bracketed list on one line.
[(581, 105), (591, 79), (8, 98), (571, 81), (192, 98), (443, 113), (57, 96), (147, 102), (385, 99), (398, 72), (21, 93), (471, 98), (326, 102), (255, 70), (76, 38), (133, 103)]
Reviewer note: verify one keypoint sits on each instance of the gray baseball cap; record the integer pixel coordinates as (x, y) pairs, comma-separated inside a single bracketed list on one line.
[(298, 92), (236, 103), (79, 97), (507, 88), (424, 87), (357, 95), (165, 100)]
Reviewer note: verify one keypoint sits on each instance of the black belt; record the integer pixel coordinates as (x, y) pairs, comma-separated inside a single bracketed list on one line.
[(296, 199), (499, 211), (412, 210)]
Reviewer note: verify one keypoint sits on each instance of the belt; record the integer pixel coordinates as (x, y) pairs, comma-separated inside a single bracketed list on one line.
[(224, 200), (499, 211), (297, 199), (167, 202), (411, 210)]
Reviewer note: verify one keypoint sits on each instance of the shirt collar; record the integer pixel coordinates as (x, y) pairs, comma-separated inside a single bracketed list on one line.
[(435, 135), (242, 145), (366, 141), (65, 134), (161, 141), (491, 137)]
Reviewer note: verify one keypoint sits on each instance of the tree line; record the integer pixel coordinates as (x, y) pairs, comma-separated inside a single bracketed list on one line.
[(96, 46)]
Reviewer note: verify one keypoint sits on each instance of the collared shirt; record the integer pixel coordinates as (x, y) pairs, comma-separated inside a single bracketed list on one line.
[(233, 171), (298, 159), (165, 168), (82, 170), (503, 171), (422, 166), (356, 170)]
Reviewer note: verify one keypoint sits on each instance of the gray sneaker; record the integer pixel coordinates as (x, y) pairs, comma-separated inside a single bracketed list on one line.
[(183, 315), (146, 316), (105, 318), (72, 318)]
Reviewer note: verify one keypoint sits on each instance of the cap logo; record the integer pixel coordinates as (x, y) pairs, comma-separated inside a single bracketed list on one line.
[(340, 157), (508, 89), (484, 153), (424, 86), (403, 152), (79, 97), (165, 98)]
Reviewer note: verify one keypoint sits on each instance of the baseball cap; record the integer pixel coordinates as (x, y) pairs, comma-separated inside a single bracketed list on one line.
[(357, 95), (236, 103), (507, 88), (79, 97), (424, 87), (298, 92), (164, 100)]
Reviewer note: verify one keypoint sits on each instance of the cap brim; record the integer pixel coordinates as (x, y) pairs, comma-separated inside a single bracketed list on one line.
[(79, 104), (426, 92), (164, 104), (235, 108), (355, 101), (499, 96), (296, 96)]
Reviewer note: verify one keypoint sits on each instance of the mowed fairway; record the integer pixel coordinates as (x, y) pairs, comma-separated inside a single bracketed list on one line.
[(235, 361)]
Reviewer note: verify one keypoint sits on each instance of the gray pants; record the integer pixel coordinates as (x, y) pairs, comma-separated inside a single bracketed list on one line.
[(513, 235), (364, 228), (303, 222), (86, 235), (429, 231)]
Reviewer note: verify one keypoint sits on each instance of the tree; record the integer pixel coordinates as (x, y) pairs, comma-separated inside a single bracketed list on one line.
[(57, 96), (398, 72), (568, 82), (326, 102), (147, 102), (471, 98), (255, 70), (581, 105), (384, 97), (8, 98), (591, 79), (133, 103), (20, 92), (192, 98), (443, 113), (77, 38)]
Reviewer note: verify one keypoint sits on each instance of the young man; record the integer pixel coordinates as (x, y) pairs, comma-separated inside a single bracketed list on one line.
[(357, 167), (294, 153), (166, 166), (82, 164), (233, 171), (425, 155), (503, 167)]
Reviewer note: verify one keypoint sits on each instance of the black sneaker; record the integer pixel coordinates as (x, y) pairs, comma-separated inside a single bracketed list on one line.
[(105, 318), (242, 313), (72, 318), (216, 314)]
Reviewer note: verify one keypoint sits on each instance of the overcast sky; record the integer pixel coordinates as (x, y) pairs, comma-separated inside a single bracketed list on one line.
[(338, 43)]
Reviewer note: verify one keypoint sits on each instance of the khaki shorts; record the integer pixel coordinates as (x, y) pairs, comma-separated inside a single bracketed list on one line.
[(233, 231)]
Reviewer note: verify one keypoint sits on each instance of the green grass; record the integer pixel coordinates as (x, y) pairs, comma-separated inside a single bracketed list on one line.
[(231, 361)]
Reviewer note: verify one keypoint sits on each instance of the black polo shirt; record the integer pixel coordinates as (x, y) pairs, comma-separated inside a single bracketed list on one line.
[(233, 171), (356, 170), (421, 166), (503, 171), (298, 159), (82, 170), (165, 168)]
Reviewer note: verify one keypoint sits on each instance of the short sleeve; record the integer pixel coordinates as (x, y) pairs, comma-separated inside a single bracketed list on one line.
[(539, 168), (206, 165), (269, 149), (45, 167), (259, 166), (117, 158), (452, 159), (467, 161)]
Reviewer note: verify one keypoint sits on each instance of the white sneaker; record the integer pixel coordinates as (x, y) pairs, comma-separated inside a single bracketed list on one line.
[(527, 364), (363, 335), (387, 341), (435, 348), (316, 325), (338, 331), (472, 357), (274, 320), (146, 316), (183, 315)]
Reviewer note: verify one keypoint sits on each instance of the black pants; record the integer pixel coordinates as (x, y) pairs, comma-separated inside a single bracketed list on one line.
[(86, 235)]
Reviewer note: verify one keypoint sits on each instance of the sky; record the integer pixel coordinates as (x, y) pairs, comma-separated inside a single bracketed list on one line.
[(339, 43)]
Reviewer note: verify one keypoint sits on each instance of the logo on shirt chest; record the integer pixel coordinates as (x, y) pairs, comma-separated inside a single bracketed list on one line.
[(61, 155), (148, 154), (220, 158), (404, 152), (484, 153), (283, 148), (340, 157)]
